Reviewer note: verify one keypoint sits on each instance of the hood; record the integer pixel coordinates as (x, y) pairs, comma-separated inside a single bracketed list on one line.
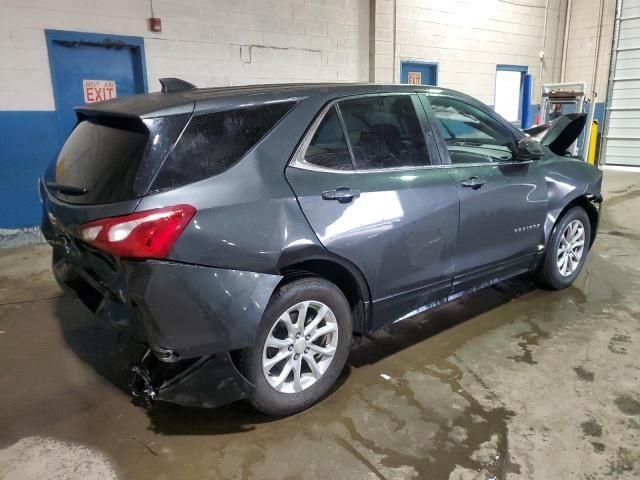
[(560, 133)]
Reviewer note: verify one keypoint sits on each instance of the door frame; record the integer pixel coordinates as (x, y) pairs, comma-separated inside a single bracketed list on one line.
[(427, 63), (523, 70), (136, 44)]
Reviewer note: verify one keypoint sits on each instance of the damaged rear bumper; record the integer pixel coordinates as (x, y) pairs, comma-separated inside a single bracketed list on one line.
[(181, 311), (191, 317), (209, 381)]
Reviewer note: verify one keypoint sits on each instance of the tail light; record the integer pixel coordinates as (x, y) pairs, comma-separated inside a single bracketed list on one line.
[(148, 234)]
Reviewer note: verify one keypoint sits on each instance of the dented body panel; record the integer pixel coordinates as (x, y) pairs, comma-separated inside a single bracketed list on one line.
[(412, 239)]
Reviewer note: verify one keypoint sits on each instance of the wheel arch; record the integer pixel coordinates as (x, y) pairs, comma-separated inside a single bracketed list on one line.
[(346, 276), (590, 203)]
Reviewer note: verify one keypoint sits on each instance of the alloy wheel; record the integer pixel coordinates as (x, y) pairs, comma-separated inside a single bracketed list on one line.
[(300, 347), (571, 248)]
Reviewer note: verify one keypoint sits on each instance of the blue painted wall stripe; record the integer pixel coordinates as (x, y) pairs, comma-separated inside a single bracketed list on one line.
[(28, 143)]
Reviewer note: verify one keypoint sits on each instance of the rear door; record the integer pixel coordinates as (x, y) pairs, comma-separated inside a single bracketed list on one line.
[(503, 200), (368, 179)]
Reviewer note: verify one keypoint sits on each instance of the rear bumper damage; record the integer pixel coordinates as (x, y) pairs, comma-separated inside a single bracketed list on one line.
[(209, 381), (191, 317)]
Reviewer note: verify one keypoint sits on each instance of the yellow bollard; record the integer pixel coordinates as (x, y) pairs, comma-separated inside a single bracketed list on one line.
[(593, 142)]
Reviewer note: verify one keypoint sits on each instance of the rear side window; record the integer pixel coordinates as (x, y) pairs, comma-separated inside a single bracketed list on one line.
[(213, 142), (328, 147), (384, 132), (103, 156)]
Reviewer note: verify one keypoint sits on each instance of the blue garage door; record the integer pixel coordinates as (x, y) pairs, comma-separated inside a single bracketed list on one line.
[(87, 67)]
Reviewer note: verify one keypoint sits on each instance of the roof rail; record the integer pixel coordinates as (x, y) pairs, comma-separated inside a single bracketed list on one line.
[(175, 85)]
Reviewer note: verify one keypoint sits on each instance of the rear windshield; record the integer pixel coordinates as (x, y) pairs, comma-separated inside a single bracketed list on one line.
[(102, 158), (213, 142)]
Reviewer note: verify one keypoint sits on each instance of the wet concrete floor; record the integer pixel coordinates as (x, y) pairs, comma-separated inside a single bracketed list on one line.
[(510, 382)]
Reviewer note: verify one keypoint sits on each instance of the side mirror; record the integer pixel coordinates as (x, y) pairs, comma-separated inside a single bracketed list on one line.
[(529, 149)]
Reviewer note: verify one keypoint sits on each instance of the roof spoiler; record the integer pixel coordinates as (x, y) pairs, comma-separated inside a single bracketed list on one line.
[(175, 85)]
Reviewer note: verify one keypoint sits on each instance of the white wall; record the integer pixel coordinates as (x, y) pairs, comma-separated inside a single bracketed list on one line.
[(468, 38), (206, 42), (229, 42), (581, 48)]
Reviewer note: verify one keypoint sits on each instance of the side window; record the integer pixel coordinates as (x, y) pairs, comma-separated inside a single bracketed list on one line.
[(384, 132), (472, 136), (213, 142), (328, 147)]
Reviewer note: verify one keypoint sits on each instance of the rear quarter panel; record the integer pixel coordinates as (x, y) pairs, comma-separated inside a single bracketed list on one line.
[(248, 216)]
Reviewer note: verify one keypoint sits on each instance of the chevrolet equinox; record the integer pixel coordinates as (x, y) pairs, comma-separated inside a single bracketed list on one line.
[(248, 235)]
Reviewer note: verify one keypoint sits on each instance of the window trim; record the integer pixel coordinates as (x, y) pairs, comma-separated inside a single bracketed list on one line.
[(345, 135), (523, 70), (444, 151), (298, 160)]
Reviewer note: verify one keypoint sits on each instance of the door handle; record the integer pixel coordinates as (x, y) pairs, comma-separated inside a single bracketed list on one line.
[(473, 182), (341, 194)]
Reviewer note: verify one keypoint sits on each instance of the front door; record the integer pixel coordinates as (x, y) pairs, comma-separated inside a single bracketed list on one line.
[(373, 197), (88, 67), (503, 201)]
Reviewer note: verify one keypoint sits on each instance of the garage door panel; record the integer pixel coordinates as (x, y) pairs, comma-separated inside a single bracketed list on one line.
[(629, 43), (624, 122), (625, 143), (631, 73), (630, 12), (629, 84), (622, 136), (629, 4), (625, 132), (626, 103), (620, 148), (630, 28), (628, 54), (623, 114), (623, 155), (628, 93), (628, 63), (626, 161), (627, 151)]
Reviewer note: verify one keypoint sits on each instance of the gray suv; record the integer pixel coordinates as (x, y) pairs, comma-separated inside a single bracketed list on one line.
[(250, 235)]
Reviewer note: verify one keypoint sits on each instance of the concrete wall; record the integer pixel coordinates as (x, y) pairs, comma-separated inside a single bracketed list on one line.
[(217, 42), (583, 42), (586, 58), (468, 39)]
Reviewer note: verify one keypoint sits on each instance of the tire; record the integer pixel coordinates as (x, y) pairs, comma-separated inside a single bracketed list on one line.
[(277, 394), (553, 274)]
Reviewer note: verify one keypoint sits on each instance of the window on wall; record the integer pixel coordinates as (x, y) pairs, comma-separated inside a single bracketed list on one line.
[(384, 132), (472, 135), (509, 91)]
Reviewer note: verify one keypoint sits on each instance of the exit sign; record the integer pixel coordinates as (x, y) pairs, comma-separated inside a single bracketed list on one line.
[(98, 90)]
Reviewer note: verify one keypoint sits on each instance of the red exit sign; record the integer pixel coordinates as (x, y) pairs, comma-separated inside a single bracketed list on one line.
[(98, 90)]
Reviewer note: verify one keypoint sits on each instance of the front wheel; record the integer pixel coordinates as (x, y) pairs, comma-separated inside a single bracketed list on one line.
[(302, 346), (566, 251)]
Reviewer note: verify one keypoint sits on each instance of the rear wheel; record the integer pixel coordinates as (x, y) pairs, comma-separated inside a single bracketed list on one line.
[(567, 250), (303, 344)]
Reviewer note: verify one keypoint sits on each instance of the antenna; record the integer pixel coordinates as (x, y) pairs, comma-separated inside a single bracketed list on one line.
[(175, 85)]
